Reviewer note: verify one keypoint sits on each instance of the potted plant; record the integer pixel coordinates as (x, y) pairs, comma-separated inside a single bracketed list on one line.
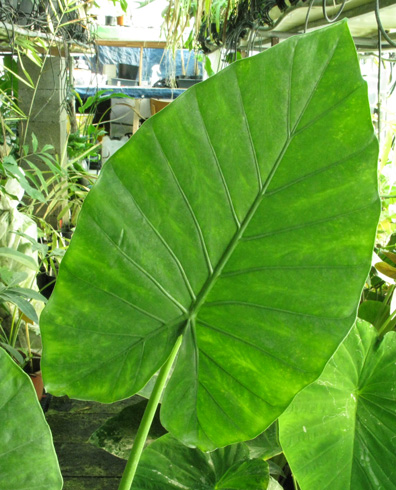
[(17, 313)]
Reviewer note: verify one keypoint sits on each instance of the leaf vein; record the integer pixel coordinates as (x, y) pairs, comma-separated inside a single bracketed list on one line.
[(161, 238), (305, 225), (319, 454), (219, 406), (132, 305), (264, 307), (218, 166), (234, 378), (321, 170), (326, 112), (187, 203), (378, 405), (280, 267), (376, 438), (99, 332), (254, 346), (245, 120), (140, 268), (25, 443), (310, 97)]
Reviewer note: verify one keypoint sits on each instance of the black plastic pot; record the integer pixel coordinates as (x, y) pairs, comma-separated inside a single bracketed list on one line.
[(129, 72), (186, 82), (110, 20)]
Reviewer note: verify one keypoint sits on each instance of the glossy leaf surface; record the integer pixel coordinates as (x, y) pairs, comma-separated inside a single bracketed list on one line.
[(339, 433), (168, 464), (27, 455), (243, 215)]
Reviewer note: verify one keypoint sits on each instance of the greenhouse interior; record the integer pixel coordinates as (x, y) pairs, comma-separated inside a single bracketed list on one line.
[(198, 244)]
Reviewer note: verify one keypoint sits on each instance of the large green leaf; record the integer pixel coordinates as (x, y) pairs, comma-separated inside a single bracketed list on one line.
[(27, 455), (340, 432), (167, 464), (243, 216)]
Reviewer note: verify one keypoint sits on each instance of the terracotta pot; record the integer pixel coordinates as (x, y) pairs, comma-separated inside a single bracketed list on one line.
[(37, 380), (36, 376), (120, 20)]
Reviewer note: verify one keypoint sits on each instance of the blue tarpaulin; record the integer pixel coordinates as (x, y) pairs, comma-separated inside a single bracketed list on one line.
[(109, 55), (134, 92)]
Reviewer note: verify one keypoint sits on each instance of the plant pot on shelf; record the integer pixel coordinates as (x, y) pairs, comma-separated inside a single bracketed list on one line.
[(110, 20), (95, 163), (120, 20), (32, 368), (67, 232), (129, 72), (183, 81)]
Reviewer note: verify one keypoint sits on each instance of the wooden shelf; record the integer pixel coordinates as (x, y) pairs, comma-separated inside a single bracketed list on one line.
[(130, 44)]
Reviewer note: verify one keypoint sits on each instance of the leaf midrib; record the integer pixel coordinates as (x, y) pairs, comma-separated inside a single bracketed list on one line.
[(211, 281), (236, 238)]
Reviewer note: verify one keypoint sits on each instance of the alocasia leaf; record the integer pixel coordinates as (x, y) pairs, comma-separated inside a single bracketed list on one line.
[(274, 485), (167, 464), (242, 216), (118, 433), (374, 312), (339, 433), (27, 455), (266, 445)]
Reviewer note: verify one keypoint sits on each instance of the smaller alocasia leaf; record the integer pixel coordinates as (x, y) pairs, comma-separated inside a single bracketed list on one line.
[(266, 445), (248, 475), (27, 455), (117, 434), (374, 312), (274, 485), (339, 433), (167, 464)]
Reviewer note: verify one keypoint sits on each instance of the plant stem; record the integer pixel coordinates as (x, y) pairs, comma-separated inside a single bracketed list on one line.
[(384, 327), (145, 424), (389, 294), (28, 346)]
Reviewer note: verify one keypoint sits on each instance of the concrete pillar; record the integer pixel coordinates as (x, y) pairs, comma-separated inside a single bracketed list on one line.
[(45, 106)]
